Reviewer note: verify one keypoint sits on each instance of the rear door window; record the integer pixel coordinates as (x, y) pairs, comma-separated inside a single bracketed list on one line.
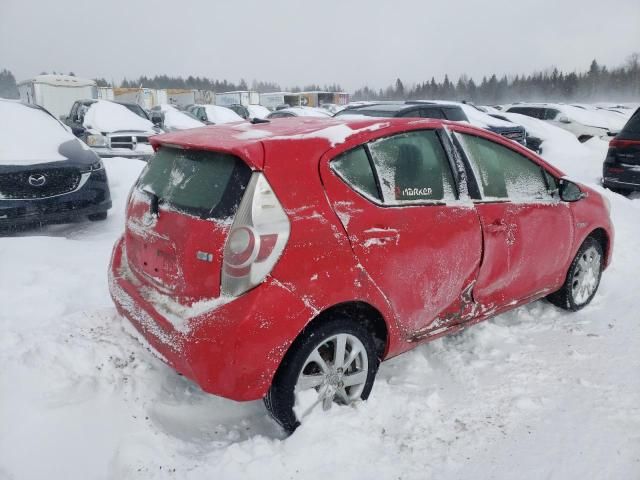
[(413, 168), (455, 114), (501, 173), (202, 183)]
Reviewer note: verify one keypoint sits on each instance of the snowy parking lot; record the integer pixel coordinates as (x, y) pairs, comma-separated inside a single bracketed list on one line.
[(535, 393)]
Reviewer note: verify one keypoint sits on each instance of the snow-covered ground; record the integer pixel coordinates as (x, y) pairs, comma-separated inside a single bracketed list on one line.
[(535, 393)]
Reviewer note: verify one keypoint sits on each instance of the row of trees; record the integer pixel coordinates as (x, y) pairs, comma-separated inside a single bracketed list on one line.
[(598, 83)]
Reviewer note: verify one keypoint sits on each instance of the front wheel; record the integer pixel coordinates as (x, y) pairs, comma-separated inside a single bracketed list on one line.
[(583, 277), (332, 362)]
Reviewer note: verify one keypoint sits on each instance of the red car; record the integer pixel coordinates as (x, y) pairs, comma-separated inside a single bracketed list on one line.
[(263, 260)]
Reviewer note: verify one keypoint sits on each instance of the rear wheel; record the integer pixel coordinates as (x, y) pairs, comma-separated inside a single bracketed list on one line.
[(582, 279), (332, 362)]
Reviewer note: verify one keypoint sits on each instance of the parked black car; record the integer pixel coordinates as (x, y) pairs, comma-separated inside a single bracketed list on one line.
[(46, 174), (425, 109), (621, 169)]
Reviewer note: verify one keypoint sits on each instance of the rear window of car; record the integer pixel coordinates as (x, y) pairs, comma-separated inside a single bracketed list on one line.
[(202, 183), (633, 125), (368, 113)]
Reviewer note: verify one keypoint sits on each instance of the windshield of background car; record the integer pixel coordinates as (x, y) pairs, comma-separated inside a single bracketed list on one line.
[(202, 183)]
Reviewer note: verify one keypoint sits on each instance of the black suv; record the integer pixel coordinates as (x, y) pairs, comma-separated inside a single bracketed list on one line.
[(621, 169), (46, 174), (426, 109)]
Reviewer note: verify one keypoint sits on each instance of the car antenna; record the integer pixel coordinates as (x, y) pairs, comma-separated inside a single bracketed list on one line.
[(256, 120)]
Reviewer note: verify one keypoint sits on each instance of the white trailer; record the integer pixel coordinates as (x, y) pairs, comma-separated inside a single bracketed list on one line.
[(244, 97), (57, 93), (182, 97), (147, 98), (105, 93)]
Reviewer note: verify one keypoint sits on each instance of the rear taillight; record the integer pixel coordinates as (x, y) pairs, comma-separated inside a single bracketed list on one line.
[(616, 142), (614, 169), (257, 238)]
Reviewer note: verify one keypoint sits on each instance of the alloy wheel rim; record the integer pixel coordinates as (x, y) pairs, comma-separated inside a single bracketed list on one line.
[(337, 370), (586, 276)]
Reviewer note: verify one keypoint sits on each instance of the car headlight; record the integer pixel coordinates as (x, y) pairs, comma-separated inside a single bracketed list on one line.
[(96, 141)]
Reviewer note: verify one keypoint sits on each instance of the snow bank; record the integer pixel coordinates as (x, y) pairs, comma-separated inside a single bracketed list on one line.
[(29, 135), (258, 111), (105, 116)]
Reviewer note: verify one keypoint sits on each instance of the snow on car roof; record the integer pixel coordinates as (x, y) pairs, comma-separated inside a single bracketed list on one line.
[(218, 114), (30, 135), (106, 116)]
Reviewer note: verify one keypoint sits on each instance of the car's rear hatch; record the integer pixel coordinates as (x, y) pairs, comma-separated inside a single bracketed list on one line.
[(178, 220)]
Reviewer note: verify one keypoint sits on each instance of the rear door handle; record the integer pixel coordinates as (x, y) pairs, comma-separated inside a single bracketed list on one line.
[(497, 226)]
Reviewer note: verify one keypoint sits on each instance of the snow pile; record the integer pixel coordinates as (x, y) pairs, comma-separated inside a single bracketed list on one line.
[(217, 114), (105, 116), (29, 135), (534, 393)]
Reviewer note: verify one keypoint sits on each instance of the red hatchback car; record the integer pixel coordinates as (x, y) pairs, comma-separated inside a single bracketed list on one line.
[(265, 260)]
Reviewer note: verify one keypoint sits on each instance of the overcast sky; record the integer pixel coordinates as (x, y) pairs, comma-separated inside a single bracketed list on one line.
[(350, 42)]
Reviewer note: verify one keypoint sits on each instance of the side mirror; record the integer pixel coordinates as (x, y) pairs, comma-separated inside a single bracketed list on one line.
[(570, 192), (564, 119), (78, 131), (156, 120), (203, 118)]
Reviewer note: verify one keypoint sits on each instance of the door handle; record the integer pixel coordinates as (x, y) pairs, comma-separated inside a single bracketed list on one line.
[(497, 227)]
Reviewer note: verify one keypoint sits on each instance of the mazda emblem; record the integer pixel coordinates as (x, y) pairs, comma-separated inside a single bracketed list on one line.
[(37, 180)]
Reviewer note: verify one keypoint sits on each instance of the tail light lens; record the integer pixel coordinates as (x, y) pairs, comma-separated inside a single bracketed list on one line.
[(623, 143), (257, 238)]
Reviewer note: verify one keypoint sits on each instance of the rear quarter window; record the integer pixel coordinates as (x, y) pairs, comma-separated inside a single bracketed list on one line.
[(202, 183), (632, 127), (355, 169)]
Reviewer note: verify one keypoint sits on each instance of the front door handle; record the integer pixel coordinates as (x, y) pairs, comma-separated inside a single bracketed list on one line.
[(497, 227)]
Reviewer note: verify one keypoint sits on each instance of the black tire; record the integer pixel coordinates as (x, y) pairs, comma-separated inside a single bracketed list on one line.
[(280, 398), (565, 298), (97, 217)]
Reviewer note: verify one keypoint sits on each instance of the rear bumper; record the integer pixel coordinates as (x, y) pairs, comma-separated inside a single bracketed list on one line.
[(626, 180), (230, 349)]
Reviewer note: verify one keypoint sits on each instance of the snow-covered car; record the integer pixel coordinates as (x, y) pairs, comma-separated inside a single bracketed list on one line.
[(47, 175), (583, 123), (112, 129), (454, 111), (300, 112), (214, 114), (171, 118), (250, 111)]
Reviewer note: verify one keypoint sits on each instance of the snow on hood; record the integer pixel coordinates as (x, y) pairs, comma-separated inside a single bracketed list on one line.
[(217, 114), (481, 119), (28, 135), (105, 116)]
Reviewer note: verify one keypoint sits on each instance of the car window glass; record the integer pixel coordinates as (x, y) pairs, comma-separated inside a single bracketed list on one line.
[(502, 173), (550, 114), (413, 167), (74, 110), (455, 114), (431, 113), (410, 114), (633, 125), (355, 169)]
